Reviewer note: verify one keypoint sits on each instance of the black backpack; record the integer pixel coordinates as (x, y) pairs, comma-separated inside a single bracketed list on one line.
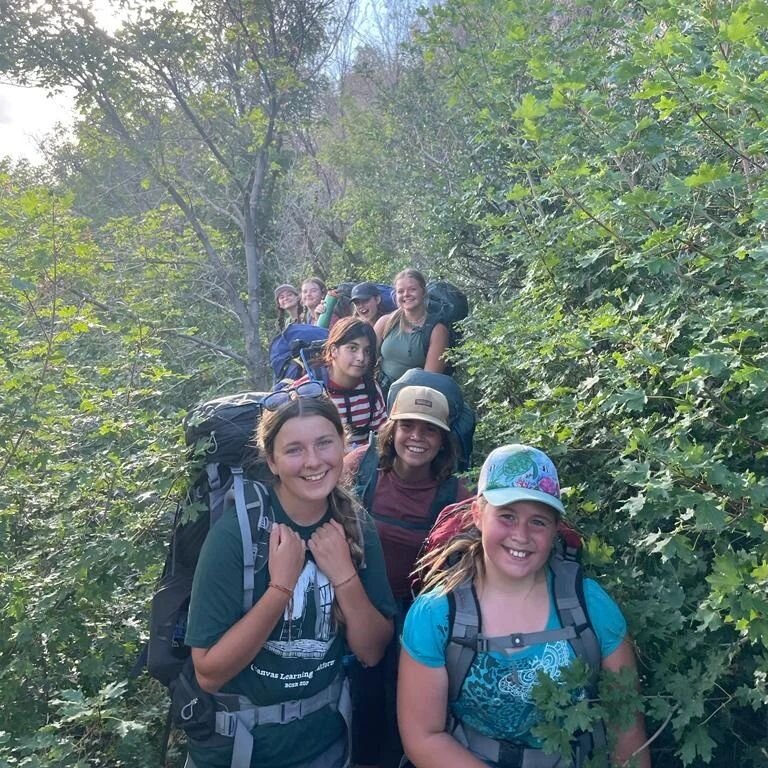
[(445, 304), (219, 433)]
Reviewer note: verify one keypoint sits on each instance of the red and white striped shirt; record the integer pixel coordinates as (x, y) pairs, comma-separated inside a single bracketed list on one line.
[(355, 407)]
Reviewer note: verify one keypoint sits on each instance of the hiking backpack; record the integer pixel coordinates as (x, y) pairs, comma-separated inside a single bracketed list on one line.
[(461, 418), (285, 347), (218, 434), (448, 305), (465, 638)]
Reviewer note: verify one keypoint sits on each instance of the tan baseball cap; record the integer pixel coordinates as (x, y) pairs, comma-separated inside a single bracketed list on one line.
[(422, 404)]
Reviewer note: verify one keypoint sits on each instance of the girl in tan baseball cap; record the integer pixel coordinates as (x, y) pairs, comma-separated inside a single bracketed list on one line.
[(413, 481)]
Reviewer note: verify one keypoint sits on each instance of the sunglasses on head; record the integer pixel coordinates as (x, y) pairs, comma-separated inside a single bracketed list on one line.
[(307, 390)]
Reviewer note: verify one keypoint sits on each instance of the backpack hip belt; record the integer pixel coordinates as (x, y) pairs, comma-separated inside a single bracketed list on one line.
[(509, 754), (238, 716)]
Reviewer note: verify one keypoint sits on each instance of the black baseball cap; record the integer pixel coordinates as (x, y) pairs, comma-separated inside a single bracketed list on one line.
[(364, 291)]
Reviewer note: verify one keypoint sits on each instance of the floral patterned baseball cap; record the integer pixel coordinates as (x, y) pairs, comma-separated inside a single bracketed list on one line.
[(519, 473)]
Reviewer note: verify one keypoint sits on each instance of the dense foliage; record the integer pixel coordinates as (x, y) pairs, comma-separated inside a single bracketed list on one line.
[(595, 175)]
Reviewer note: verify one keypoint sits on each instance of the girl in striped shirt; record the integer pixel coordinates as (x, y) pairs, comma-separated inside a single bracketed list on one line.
[(347, 372)]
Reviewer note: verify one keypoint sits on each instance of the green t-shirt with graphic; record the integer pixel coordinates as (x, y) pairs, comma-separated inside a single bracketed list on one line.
[(304, 651)]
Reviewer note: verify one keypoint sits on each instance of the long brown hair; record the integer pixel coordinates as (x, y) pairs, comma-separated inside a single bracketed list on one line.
[(442, 466), (343, 507)]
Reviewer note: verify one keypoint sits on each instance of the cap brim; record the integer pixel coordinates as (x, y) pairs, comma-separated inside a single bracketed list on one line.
[(422, 417), (500, 497)]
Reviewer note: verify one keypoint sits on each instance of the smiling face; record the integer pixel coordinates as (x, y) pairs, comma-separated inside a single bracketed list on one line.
[(416, 444), (517, 538), (350, 361), (311, 294), (409, 294), (287, 299), (307, 457), (367, 309)]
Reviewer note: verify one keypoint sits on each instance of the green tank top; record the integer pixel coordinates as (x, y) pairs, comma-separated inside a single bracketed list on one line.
[(402, 351)]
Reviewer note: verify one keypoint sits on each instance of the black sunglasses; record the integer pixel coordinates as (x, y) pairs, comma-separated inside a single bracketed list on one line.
[(309, 389)]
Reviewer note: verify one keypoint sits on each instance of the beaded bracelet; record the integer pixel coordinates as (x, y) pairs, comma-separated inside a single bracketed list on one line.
[(345, 581), (281, 588)]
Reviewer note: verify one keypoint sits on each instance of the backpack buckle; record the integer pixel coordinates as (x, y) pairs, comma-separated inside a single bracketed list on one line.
[(290, 711), (226, 724)]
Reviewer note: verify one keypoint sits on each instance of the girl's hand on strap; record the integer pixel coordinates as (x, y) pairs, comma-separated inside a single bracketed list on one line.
[(330, 549), (287, 553)]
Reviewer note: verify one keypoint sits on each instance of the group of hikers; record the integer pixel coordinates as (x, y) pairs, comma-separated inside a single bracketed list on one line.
[(396, 618), (309, 304), (407, 336)]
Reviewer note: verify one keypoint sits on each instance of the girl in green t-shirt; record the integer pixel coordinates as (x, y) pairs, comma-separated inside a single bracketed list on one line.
[(324, 590)]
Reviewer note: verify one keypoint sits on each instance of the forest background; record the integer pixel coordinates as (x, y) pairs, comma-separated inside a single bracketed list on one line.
[(593, 174)]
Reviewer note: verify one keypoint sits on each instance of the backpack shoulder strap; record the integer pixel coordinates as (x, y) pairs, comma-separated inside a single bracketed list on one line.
[(319, 373), (245, 512), (393, 321), (368, 473), (464, 627), (568, 585), (572, 609), (426, 332), (361, 534), (446, 494)]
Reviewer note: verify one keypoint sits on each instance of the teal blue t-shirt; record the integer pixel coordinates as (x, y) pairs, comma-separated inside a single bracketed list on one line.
[(495, 698), (303, 653)]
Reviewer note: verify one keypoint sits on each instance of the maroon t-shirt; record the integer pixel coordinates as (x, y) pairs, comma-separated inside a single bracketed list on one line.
[(410, 504)]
